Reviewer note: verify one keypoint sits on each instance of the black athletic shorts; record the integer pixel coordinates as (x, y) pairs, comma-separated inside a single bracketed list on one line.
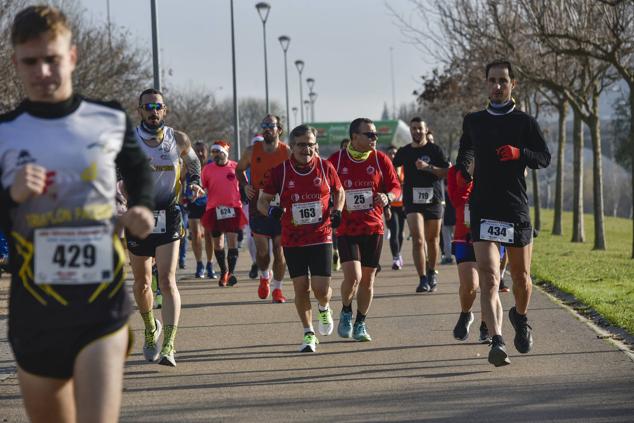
[(195, 211), (315, 260), (173, 232), (52, 352), (363, 248), (265, 225), (429, 211), (523, 233)]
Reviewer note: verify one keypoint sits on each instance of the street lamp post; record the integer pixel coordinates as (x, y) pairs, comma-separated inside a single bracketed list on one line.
[(263, 9), (307, 106), (236, 117), (294, 116), (313, 97), (285, 41), (310, 82), (155, 48), (299, 64)]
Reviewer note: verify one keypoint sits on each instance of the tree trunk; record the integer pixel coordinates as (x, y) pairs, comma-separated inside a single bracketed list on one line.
[(536, 203), (578, 232), (597, 175), (559, 184), (631, 86)]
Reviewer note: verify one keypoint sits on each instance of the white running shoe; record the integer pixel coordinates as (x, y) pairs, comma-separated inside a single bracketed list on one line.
[(150, 345), (167, 358), (310, 343), (325, 325)]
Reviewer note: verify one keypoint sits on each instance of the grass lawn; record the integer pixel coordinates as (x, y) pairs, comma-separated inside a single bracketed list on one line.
[(603, 280)]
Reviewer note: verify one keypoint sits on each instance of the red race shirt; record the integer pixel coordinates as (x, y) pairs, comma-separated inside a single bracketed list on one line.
[(362, 180), (306, 200), (459, 191)]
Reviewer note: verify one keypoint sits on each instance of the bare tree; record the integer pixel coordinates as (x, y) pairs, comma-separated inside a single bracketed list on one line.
[(603, 30), (196, 112), (104, 70), (10, 91)]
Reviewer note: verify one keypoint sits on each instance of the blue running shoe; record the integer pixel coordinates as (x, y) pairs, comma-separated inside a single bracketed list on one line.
[(210, 271), (200, 270), (361, 332), (344, 329)]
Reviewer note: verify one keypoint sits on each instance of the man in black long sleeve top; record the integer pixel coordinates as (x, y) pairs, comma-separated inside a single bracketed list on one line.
[(68, 308), (503, 141)]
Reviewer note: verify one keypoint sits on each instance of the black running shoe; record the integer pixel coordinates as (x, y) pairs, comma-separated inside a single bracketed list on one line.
[(461, 331), (253, 273), (497, 355), (423, 285), (523, 332), (432, 277), (232, 280), (484, 334)]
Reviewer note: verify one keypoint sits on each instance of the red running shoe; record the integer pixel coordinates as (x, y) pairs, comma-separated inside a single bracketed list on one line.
[(223, 279), (277, 296), (263, 289)]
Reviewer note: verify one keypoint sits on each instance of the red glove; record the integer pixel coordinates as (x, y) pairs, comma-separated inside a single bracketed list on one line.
[(507, 153)]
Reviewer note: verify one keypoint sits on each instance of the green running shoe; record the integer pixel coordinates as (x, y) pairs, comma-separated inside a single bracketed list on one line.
[(310, 342)]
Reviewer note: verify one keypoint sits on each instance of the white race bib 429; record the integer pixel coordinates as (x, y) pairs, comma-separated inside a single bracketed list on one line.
[(73, 256), (494, 230)]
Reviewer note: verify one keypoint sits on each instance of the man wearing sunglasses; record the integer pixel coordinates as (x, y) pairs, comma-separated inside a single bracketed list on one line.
[(371, 183), (425, 166), (165, 147), (260, 158)]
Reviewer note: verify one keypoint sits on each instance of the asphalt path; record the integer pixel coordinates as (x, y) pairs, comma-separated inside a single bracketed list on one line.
[(238, 360)]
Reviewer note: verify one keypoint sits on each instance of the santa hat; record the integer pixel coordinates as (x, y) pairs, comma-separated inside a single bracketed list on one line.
[(221, 147)]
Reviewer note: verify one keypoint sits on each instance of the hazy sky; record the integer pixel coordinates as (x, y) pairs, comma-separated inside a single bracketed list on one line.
[(344, 43)]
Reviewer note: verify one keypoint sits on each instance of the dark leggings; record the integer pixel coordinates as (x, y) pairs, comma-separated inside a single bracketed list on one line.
[(396, 225)]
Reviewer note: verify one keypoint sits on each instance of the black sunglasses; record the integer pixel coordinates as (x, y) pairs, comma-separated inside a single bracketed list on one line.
[(370, 135), (153, 106)]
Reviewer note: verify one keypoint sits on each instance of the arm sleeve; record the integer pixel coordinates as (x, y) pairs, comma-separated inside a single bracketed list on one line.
[(193, 166), (536, 154), (135, 170), (6, 203), (465, 152)]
